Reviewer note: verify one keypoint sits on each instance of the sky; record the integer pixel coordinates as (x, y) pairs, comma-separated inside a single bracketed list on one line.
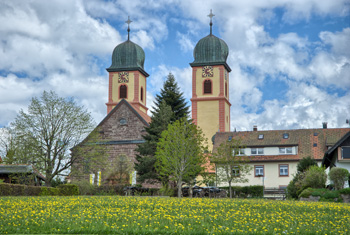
[(290, 59)]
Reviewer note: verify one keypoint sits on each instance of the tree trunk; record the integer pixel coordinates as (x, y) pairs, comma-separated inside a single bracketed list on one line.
[(179, 187), (230, 188)]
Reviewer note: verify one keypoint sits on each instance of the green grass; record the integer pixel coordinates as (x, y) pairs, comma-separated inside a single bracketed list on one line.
[(156, 215)]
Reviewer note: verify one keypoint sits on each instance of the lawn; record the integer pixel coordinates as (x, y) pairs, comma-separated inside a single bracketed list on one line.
[(157, 215)]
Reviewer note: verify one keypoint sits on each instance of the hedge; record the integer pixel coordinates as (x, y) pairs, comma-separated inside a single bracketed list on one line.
[(246, 191), (25, 190)]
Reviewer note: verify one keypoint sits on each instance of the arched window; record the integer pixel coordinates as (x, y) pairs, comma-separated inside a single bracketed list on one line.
[(207, 87), (141, 93), (123, 91)]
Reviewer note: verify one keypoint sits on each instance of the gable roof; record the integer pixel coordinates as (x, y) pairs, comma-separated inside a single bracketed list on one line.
[(326, 161), (20, 168), (141, 115), (310, 142)]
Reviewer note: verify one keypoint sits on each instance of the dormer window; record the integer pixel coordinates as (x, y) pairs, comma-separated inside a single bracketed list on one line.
[(261, 136), (257, 151), (285, 136)]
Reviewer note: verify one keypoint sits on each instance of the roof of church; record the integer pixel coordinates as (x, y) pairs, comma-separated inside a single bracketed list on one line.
[(141, 115), (310, 142), (128, 56), (210, 50)]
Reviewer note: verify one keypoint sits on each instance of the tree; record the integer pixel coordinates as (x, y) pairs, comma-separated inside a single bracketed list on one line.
[(180, 152), (146, 157), (174, 98), (170, 105), (295, 186), (314, 177), (338, 176), (231, 164), (48, 130), (305, 163)]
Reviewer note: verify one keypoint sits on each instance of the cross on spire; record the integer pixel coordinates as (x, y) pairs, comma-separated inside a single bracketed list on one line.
[(211, 15), (128, 22)]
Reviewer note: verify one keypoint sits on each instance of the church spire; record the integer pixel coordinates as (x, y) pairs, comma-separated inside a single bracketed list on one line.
[(128, 22), (211, 22)]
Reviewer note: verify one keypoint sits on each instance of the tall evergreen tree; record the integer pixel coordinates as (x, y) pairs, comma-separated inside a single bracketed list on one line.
[(170, 105), (174, 98)]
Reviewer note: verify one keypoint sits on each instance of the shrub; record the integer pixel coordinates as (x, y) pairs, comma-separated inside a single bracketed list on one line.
[(315, 177), (47, 191), (5, 190), (68, 190), (344, 191), (306, 192), (305, 163), (295, 187), (338, 176)]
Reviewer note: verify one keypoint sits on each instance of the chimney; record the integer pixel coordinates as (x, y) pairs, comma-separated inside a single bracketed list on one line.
[(324, 124), (255, 128)]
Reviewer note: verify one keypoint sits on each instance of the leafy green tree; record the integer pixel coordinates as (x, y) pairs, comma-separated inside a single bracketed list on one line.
[(170, 105), (45, 133), (231, 163), (180, 152), (338, 176)]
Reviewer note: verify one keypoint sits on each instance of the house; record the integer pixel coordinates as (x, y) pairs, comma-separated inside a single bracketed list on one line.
[(274, 154), (338, 155), (21, 174)]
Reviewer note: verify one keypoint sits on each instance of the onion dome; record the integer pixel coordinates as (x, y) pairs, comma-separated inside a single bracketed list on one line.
[(128, 56), (210, 50)]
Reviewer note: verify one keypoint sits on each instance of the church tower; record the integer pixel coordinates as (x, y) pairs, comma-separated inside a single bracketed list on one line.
[(210, 85), (127, 77)]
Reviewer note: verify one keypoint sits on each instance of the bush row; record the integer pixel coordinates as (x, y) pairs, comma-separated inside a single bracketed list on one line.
[(325, 194), (25, 190), (246, 191)]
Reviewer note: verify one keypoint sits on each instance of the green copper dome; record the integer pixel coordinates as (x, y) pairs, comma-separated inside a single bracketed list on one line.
[(210, 50), (128, 56)]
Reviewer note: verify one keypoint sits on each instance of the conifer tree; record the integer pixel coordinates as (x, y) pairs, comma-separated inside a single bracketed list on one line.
[(174, 98), (170, 105)]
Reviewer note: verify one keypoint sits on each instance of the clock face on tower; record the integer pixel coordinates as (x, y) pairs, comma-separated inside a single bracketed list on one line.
[(123, 77), (207, 71)]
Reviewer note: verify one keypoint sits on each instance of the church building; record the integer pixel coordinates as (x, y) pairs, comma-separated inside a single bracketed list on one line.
[(122, 129)]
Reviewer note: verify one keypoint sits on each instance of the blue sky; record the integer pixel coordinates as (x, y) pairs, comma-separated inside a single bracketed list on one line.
[(290, 59)]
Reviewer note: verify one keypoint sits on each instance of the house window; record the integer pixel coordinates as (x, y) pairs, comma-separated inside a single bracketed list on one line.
[(239, 151), (259, 171), (286, 150), (123, 121), (226, 89), (345, 152), (141, 93), (257, 151), (285, 136), (229, 138), (123, 91), (235, 171), (207, 87), (283, 170), (261, 136)]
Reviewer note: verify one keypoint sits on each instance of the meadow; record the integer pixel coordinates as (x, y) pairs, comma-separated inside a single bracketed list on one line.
[(160, 215)]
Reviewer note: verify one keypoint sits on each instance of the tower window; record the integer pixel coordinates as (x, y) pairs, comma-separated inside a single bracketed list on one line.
[(141, 93), (226, 89), (123, 91), (207, 87)]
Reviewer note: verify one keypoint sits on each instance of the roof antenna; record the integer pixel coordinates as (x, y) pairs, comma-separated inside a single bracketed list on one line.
[(211, 22), (128, 22)]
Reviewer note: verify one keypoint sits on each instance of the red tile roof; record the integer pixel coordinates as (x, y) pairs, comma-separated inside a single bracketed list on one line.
[(310, 142)]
